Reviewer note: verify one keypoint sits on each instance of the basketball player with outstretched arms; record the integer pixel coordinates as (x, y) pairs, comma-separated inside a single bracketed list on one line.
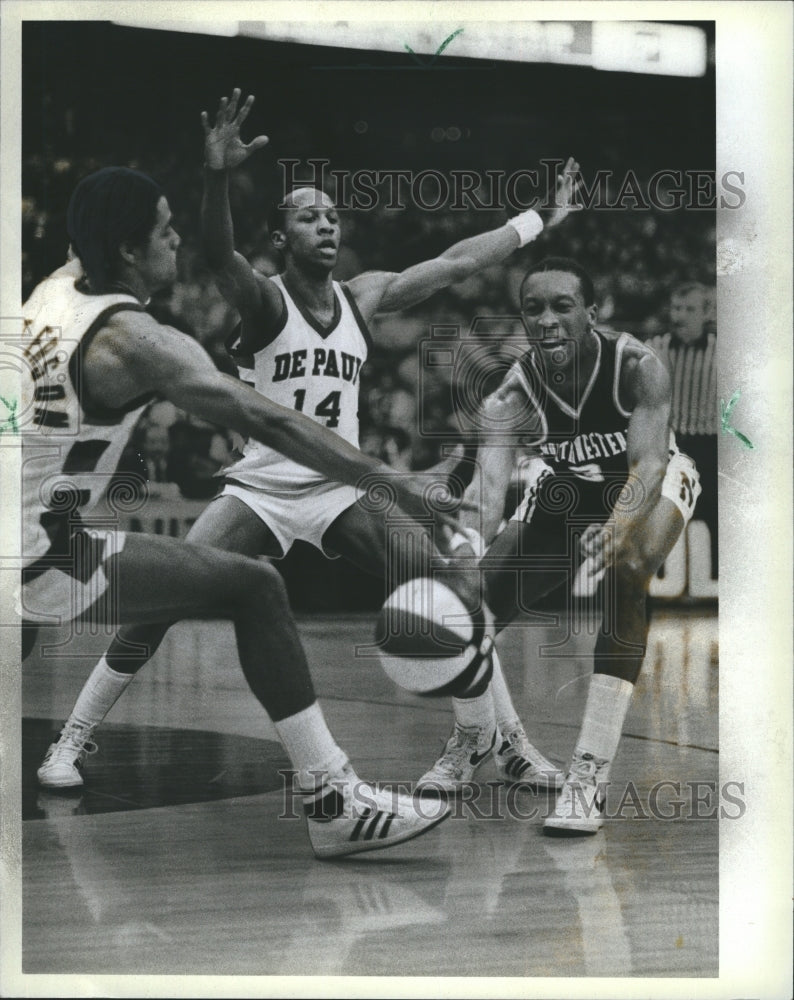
[(302, 341), (95, 358), (608, 494)]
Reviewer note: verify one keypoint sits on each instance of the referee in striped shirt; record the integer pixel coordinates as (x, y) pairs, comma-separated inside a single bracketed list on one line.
[(690, 352)]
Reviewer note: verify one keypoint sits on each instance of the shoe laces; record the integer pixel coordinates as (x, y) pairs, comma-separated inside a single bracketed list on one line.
[(359, 798), (585, 767), (458, 748), (75, 741), (515, 743)]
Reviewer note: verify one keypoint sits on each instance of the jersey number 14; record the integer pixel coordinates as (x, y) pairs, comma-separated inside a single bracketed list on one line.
[(328, 407)]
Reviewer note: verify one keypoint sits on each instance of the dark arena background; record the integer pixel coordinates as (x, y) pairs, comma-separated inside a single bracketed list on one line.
[(172, 860)]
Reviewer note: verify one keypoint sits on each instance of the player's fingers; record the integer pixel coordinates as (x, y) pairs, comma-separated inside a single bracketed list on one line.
[(258, 143), (205, 122), (231, 109), (245, 109), (445, 520), (594, 567), (466, 505)]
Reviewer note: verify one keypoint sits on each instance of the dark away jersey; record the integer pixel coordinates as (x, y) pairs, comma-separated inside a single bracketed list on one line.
[(584, 442)]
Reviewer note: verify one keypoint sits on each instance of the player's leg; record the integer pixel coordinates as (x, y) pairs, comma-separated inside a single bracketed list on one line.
[(527, 561), (226, 523), (619, 652), (396, 550), (392, 549), (158, 578), (345, 815), (489, 722)]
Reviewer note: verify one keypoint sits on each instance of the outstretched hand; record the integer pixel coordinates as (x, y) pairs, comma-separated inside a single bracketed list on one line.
[(597, 547), (559, 202), (223, 147)]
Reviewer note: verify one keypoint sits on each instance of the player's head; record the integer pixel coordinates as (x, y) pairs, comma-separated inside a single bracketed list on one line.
[(119, 225), (689, 311), (305, 228), (557, 301)]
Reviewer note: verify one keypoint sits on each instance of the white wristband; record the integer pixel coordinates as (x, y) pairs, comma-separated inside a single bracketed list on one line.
[(528, 225), (468, 536)]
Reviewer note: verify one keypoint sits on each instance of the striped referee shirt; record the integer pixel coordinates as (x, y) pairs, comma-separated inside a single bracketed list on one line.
[(693, 372)]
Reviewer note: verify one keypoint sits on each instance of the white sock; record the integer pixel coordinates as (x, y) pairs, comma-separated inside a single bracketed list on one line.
[(310, 745), (507, 718), (99, 694), (475, 711), (607, 703)]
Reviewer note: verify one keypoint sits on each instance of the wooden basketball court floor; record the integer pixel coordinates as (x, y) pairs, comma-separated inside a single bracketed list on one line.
[(181, 857)]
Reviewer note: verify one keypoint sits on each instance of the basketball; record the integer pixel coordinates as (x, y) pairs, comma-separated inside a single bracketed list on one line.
[(429, 643)]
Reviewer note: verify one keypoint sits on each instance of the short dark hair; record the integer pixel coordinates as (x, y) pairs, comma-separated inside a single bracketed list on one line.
[(277, 213), (110, 207), (567, 266)]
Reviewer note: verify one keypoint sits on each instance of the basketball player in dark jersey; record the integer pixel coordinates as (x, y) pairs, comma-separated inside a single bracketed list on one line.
[(607, 495), (94, 358), (302, 341)]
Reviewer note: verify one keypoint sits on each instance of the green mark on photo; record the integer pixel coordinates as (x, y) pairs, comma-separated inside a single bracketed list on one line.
[(9, 423), (725, 419), (436, 54)]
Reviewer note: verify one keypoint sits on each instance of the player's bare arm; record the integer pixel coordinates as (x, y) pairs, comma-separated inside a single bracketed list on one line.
[(484, 499), (381, 291), (135, 355), (645, 390), (252, 294)]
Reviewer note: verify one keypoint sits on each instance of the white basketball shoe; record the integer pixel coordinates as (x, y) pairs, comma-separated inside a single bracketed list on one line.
[(520, 763), (467, 750), (63, 762), (581, 804), (349, 816)]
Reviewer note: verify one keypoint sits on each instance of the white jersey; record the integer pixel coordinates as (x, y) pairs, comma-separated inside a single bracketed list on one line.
[(70, 448), (310, 368)]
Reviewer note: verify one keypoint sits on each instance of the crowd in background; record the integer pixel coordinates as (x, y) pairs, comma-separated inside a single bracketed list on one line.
[(635, 257)]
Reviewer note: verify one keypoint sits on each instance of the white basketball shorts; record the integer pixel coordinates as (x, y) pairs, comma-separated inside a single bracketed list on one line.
[(297, 515)]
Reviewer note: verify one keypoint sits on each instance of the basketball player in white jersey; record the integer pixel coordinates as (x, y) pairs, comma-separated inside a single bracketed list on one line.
[(95, 357), (302, 341), (608, 494)]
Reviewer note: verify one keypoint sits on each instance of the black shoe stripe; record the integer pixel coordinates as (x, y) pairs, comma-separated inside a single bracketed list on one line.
[(515, 767), (385, 828), (324, 805), (369, 825), (360, 826), (373, 825)]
